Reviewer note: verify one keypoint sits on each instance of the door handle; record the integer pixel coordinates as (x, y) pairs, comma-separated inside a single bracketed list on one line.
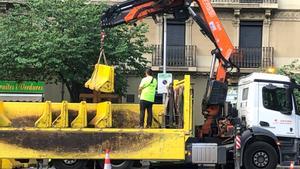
[(264, 124)]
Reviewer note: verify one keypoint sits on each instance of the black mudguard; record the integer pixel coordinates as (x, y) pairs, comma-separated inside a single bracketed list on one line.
[(253, 132)]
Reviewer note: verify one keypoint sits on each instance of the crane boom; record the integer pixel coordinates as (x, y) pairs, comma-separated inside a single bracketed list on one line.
[(210, 25)]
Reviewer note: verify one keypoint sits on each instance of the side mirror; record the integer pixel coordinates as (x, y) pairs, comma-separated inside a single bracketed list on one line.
[(297, 87), (289, 100)]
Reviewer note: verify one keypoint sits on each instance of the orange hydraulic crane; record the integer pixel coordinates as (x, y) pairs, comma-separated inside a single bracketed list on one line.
[(207, 19)]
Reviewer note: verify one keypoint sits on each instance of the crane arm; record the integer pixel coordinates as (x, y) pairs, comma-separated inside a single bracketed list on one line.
[(132, 10)]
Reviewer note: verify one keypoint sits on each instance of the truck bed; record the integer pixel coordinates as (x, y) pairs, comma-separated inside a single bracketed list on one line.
[(84, 130), (152, 144)]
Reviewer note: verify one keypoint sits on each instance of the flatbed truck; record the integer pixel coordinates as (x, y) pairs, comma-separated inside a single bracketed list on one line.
[(260, 133), (267, 120)]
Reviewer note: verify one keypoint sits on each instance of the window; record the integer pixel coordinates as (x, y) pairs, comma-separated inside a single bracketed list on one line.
[(296, 94), (232, 95), (278, 99), (175, 42), (250, 44), (245, 94)]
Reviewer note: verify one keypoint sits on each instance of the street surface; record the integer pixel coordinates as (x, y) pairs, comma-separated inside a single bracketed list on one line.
[(177, 166), (186, 167), (174, 167)]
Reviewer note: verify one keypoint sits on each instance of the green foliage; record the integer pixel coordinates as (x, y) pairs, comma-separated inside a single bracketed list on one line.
[(60, 40), (293, 71)]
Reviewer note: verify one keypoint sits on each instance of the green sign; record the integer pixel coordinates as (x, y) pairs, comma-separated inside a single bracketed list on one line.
[(21, 87)]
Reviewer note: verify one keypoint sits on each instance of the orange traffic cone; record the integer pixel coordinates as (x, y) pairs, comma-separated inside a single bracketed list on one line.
[(292, 165), (107, 164)]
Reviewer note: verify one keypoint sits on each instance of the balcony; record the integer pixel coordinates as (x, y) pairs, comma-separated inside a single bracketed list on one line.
[(12, 1), (179, 58), (239, 4), (91, 1), (254, 57), (110, 2), (244, 1)]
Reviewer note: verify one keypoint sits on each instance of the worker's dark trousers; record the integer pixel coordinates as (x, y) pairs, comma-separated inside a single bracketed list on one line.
[(143, 106)]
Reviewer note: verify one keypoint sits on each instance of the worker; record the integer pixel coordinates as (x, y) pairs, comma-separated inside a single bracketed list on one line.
[(147, 91)]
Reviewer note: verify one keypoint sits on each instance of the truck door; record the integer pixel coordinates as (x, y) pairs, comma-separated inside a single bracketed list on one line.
[(276, 111), (296, 98)]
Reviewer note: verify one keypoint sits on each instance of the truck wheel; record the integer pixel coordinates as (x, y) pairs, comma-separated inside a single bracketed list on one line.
[(69, 164), (119, 164), (116, 164), (260, 155)]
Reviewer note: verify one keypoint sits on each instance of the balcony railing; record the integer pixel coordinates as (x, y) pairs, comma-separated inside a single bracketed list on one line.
[(244, 1), (254, 57), (177, 56), (117, 1), (12, 1)]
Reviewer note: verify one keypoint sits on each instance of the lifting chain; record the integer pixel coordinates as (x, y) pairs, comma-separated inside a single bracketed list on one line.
[(103, 35)]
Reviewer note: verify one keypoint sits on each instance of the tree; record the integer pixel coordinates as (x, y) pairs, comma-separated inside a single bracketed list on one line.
[(59, 41), (293, 71)]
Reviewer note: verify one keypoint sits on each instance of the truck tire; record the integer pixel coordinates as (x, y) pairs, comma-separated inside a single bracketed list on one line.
[(69, 164), (260, 155), (119, 164)]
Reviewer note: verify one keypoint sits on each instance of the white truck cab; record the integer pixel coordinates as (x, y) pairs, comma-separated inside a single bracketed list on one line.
[(267, 104)]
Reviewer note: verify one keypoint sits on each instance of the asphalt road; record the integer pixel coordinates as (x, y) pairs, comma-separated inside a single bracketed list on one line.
[(172, 167), (184, 167)]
